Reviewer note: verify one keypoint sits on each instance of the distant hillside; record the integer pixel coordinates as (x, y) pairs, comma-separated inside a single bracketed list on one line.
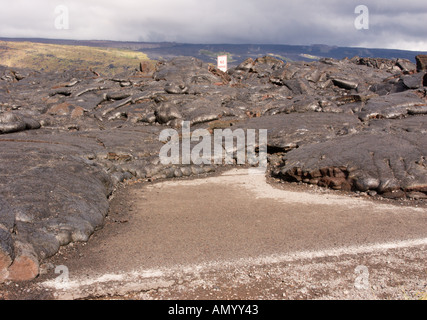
[(51, 57), (240, 52), (113, 56)]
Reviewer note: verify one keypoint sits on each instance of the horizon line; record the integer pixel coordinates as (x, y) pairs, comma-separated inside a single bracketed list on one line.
[(217, 44)]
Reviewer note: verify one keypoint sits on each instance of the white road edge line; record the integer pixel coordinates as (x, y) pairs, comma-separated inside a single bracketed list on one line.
[(139, 275)]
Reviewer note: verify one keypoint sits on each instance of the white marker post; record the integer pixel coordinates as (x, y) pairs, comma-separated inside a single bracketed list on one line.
[(222, 63)]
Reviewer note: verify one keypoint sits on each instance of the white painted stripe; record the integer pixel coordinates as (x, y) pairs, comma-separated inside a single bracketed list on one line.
[(352, 250), (154, 274)]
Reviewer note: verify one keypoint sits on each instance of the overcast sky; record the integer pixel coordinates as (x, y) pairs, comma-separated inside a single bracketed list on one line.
[(392, 24)]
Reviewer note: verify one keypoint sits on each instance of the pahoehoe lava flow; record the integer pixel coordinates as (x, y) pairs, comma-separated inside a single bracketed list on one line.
[(68, 138)]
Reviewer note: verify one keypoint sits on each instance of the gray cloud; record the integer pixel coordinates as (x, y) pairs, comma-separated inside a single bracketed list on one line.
[(393, 24)]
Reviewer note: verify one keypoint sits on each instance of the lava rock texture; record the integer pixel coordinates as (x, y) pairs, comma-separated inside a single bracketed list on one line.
[(68, 138)]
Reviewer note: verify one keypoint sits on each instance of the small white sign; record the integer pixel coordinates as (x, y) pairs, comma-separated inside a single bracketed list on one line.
[(222, 63)]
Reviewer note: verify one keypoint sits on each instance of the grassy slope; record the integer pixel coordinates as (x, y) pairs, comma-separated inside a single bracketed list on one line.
[(52, 57), (214, 55)]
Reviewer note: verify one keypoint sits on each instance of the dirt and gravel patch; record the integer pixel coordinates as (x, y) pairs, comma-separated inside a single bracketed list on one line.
[(243, 240)]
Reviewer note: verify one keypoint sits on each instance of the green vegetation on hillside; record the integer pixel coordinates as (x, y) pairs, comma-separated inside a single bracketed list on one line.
[(214, 55), (280, 57), (309, 56), (52, 57)]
